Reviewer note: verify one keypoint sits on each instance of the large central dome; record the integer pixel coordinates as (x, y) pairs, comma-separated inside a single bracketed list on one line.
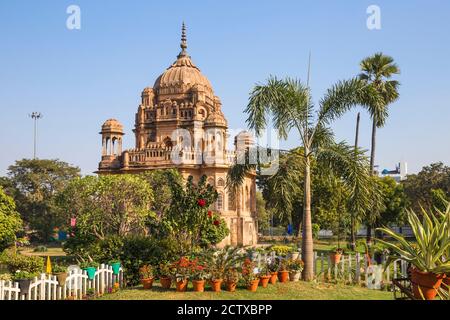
[(183, 73)]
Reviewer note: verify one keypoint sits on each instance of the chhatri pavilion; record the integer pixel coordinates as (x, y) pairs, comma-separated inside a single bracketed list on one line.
[(180, 124)]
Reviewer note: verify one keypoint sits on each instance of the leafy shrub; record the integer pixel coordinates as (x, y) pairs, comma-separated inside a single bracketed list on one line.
[(5, 277), (282, 251), (315, 230), (215, 230), (22, 275), (20, 262), (40, 249)]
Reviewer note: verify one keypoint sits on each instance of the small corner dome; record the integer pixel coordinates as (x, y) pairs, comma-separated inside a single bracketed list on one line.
[(245, 137), (112, 125), (216, 119)]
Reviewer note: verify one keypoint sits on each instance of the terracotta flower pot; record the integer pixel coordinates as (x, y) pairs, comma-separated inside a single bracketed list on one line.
[(61, 277), (253, 285), (294, 276), (264, 281), (147, 283), (426, 283), (283, 276), (335, 258), (273, 277), (199, 285), (166, 282), (231, 286), (182, 285), (295, 255), (216, 285)]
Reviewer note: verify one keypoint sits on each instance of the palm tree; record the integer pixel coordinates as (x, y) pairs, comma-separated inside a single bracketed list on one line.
[(376, 70), (288, 102)]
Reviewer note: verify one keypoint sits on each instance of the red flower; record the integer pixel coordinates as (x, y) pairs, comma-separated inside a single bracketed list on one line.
[(209, 214), (201, 202), (216, 222)]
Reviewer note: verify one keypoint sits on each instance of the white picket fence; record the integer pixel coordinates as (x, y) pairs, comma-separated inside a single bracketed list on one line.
[(77, 284), (352, 268)]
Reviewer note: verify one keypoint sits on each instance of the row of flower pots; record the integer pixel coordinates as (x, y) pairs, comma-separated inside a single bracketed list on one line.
[(216, 274)]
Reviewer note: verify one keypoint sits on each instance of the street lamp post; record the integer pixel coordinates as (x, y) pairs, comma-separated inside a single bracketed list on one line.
[(35, 116)]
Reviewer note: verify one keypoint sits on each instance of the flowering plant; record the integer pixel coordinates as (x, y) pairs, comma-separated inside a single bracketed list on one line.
[(198, 271), (146, 272), (248, 273), (295, 265), (232, 275), (182, 269), (165, 270)]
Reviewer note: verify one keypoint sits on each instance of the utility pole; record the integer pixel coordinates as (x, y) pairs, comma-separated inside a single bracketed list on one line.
[(35, 116)]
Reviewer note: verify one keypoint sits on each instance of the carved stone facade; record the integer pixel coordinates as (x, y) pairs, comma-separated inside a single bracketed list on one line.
[(180, 124)]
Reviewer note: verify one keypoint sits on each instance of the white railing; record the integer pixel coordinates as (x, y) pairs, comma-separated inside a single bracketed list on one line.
[(352, 268), (76, 286)]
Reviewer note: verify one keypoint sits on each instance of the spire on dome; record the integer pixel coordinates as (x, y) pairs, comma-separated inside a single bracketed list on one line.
[(183, 44)]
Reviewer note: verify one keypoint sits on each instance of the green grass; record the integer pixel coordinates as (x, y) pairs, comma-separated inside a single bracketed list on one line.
[(280, 291)]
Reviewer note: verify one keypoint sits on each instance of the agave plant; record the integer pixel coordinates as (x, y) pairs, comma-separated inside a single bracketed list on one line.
[(430, 252)]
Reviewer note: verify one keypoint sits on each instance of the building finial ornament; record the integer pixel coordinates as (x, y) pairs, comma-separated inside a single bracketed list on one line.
[(183, 44)]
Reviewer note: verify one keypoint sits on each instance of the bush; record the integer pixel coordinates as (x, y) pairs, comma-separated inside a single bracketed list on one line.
[(20, 262), (40, 249), (282, 251), (315, 230)]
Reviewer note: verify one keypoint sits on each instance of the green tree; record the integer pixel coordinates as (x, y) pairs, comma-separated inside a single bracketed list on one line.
[(289, 103), (188, 217), (395, 203), (419, 187), (35, 184), (376, 71), (10, 222), (108, 205)]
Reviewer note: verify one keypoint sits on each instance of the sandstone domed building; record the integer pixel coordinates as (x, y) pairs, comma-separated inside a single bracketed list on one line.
[(180, 124)]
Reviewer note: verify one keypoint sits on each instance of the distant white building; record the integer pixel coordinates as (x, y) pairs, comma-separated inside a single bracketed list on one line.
[(399, 174)]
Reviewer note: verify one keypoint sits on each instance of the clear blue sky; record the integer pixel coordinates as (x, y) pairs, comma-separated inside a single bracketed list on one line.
[(78, 79)]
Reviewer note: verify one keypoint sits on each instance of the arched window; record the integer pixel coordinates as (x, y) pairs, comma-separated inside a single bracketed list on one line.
[(220, 182), (211, 181), (247, 199), (231, 202), (219, 203)]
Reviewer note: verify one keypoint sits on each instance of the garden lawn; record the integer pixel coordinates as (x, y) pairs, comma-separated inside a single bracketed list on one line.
[(280, 291)]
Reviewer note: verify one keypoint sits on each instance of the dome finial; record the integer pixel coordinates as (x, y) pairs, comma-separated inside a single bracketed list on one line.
[(183, 44)]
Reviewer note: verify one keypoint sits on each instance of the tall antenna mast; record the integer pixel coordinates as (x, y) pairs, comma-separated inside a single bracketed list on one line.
[(35, 116)]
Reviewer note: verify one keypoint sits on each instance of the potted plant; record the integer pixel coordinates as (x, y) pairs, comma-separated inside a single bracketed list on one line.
[(198, 276), (90, 267), (283, 272), (379, 252), (251, 279), (115, 264), (295, 255), (219, 261), (295, 269), (273, 267), (165, 275), (264, 275), (426, 255), (60, 273), (231, 278), (24, 279), (182, 269), (336, 254), (146, 276)]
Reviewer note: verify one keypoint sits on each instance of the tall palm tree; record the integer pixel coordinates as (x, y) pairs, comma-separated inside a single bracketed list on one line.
[(288, 103), (376, 72)]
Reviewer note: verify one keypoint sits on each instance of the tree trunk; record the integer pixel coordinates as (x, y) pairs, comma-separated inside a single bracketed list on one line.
[(372, 165), (307, 238), (353, 218)]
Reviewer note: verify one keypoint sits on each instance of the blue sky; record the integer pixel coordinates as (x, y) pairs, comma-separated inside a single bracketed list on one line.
[(79, 78)]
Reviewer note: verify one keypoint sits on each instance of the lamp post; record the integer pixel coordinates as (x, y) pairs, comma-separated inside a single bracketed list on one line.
[(35, 116)]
